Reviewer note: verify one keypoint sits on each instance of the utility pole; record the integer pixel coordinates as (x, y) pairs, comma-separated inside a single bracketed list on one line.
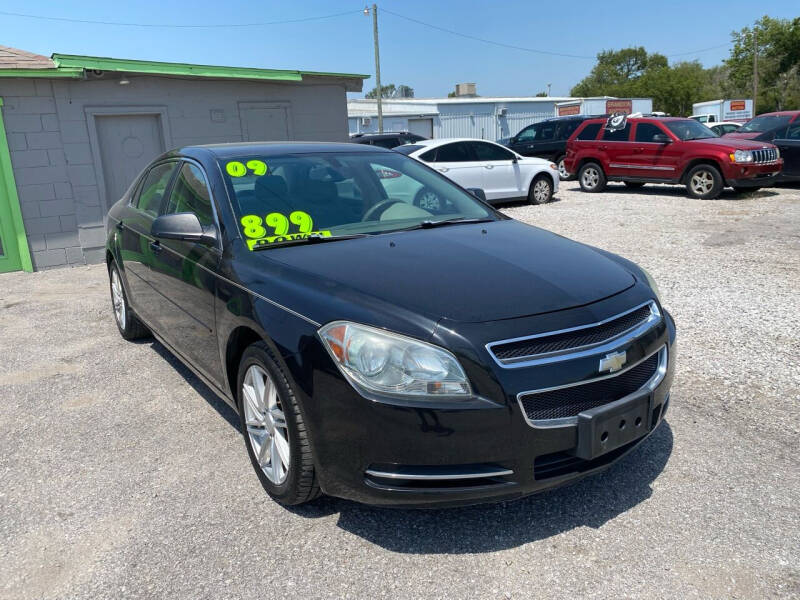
[(548, 89), (755, 70), (377, 67)]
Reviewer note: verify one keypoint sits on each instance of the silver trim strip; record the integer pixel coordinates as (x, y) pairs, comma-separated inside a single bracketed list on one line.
[(578, 351), (652, 384), (418, 476), (645, 167)]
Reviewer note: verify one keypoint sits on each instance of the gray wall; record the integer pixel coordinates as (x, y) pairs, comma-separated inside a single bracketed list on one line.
[(62, 201)]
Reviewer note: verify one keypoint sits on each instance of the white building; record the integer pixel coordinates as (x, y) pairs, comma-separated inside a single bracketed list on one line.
[(485, 118)]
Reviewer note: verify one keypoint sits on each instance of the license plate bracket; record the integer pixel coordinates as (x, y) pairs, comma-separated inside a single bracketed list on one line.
[(607, 427)]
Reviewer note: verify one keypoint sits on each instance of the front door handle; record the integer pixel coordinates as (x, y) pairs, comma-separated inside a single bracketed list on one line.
[(489, 166), (603, 147), (442, 169), (155, 246)]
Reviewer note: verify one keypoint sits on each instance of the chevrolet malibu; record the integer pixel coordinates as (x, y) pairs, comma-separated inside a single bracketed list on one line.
[(379, 351)]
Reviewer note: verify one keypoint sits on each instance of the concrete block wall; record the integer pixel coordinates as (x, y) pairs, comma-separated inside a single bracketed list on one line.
[(62, 202)]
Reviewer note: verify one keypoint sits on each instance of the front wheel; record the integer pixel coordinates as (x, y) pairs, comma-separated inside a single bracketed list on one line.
[(274, 431), (563, 174), (704, 182), (541, 191), (592, 178)]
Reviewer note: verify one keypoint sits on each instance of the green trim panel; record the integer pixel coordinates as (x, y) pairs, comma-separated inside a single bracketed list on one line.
[(191, 70), (68, 73), (15, 244)]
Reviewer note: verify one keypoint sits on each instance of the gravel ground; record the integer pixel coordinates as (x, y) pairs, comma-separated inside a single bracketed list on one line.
[(122, 476)]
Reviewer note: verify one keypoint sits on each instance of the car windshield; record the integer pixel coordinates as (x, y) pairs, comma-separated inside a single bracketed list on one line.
[(764, 123), (688, 129), (407, 148), (291, 197)]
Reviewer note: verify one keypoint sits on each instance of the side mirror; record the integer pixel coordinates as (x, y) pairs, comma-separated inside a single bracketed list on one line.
[(660, 138), (478, 193), (185, 227)]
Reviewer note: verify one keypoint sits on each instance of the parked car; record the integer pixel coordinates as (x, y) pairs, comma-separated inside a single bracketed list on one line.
[(375, 351), (503, 175), (548, 139), (783, 130), (386, 140), (668, 150), (724, 127)]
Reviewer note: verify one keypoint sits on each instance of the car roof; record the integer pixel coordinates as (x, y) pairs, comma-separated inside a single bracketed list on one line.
[(275, 148), (442, 141), (779, 113)]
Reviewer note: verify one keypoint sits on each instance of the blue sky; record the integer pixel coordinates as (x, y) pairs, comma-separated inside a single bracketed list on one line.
[(428, 60)]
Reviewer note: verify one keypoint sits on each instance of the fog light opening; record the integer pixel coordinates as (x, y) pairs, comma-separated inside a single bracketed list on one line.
[(638, 421), (622, 424), (604, 436)]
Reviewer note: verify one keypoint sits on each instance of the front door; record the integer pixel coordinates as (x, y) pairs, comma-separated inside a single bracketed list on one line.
[(127, 144), (183, 276), (501, 172), (538, 140), (264, 122), (649, 158)]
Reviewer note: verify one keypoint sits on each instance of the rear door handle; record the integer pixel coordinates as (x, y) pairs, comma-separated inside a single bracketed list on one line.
[(155, 246), (489, 166), (119, 226)]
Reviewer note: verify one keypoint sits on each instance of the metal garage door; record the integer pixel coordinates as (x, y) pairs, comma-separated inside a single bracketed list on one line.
[(423, 127), (264, 122), (127, 143)]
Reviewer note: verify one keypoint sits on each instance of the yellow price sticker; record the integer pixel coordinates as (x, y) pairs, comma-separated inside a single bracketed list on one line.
[(236, 168), (253, 227)]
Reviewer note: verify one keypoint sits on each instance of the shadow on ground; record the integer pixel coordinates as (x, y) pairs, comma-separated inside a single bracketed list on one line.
[(656, 189)]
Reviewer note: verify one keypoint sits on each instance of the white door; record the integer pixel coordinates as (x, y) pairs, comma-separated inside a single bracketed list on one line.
[(502, 176), (423, 127), (456, 161)]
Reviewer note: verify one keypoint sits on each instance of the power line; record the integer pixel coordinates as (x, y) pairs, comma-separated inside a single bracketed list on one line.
[(173, 26), (532, 50)]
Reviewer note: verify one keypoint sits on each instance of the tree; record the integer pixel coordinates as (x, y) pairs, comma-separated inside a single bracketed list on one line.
[(617, 72), (541, 95), (391, 91), (778, 63)]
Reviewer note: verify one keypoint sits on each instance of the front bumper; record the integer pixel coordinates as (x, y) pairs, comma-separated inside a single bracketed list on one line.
[(460, 453), (745, 175)]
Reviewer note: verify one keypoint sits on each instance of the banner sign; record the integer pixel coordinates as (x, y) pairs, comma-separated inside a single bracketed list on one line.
[(564, 111), (619, 106), (616, 122)]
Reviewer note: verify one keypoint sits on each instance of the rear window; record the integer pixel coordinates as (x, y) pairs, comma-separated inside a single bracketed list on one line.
[(408, 148), (620, 135), (589, 132)]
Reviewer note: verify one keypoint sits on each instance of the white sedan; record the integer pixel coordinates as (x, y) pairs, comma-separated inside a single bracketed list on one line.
[(502, 174)]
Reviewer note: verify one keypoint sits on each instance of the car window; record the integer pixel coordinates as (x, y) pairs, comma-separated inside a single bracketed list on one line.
[(546, 131), (386, 142), (484, 151), (408, 148), (455, 152), (528, 134), (765, 123), (646, 131), (566, 128), (190, 194), (793, 131), (429, 156), (153, 188), (279, 198), (689, 129), (589, 132), (620, 135)]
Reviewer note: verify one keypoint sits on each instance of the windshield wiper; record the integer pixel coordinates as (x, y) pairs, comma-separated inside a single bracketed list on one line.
[(313, 238), (445, 222)]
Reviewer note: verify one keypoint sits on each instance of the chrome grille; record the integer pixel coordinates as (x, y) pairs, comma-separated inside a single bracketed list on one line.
[(765, 155), (546, 347)]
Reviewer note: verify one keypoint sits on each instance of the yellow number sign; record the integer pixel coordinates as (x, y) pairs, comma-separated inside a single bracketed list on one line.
[(238, 169)]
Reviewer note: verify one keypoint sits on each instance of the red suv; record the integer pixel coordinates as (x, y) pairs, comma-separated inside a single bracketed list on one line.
[(668, 150)]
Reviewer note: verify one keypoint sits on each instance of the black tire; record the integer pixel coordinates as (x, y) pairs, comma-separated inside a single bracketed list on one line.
[(130, 327), (704, 182), (300, 484), (541, 190), (563, 174), (744, 190), (592, 178), (634, 184)]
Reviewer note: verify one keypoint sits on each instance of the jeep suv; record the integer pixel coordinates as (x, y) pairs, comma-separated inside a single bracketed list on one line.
[(547, 139), (668, 150)]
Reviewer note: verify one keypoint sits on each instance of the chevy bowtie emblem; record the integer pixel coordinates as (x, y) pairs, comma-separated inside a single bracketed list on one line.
[(613, 362)]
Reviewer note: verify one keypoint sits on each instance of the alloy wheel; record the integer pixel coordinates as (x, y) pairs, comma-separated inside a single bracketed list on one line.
[(118, 299), (266, 424), (590, 177), (562, 170), (702, 182), (541, 191), (429, 201)]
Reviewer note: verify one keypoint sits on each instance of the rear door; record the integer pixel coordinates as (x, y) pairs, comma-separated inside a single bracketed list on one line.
[(615, 149), (183, 274), (501, 172), (458, 162), (789, 145), (137, 246)]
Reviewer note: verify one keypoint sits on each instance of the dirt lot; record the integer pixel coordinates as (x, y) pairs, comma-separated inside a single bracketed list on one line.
[(122, 476)]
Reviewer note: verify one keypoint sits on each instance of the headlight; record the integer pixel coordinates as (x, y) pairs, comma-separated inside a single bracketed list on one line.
[(742, 156), (388, 363), (554, 166), (652, 283)]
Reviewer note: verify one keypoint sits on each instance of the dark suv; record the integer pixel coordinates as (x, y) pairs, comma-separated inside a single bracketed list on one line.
[(386, 140), (779, 128), (668, 150), (548, 139)]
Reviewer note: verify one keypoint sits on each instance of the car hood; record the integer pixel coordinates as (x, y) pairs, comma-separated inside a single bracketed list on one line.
[(464, 273), (734, 143), (532, 160), (743, 135)]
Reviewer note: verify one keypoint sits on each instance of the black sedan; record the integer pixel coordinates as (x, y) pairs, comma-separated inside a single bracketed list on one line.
[(378, 351)]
